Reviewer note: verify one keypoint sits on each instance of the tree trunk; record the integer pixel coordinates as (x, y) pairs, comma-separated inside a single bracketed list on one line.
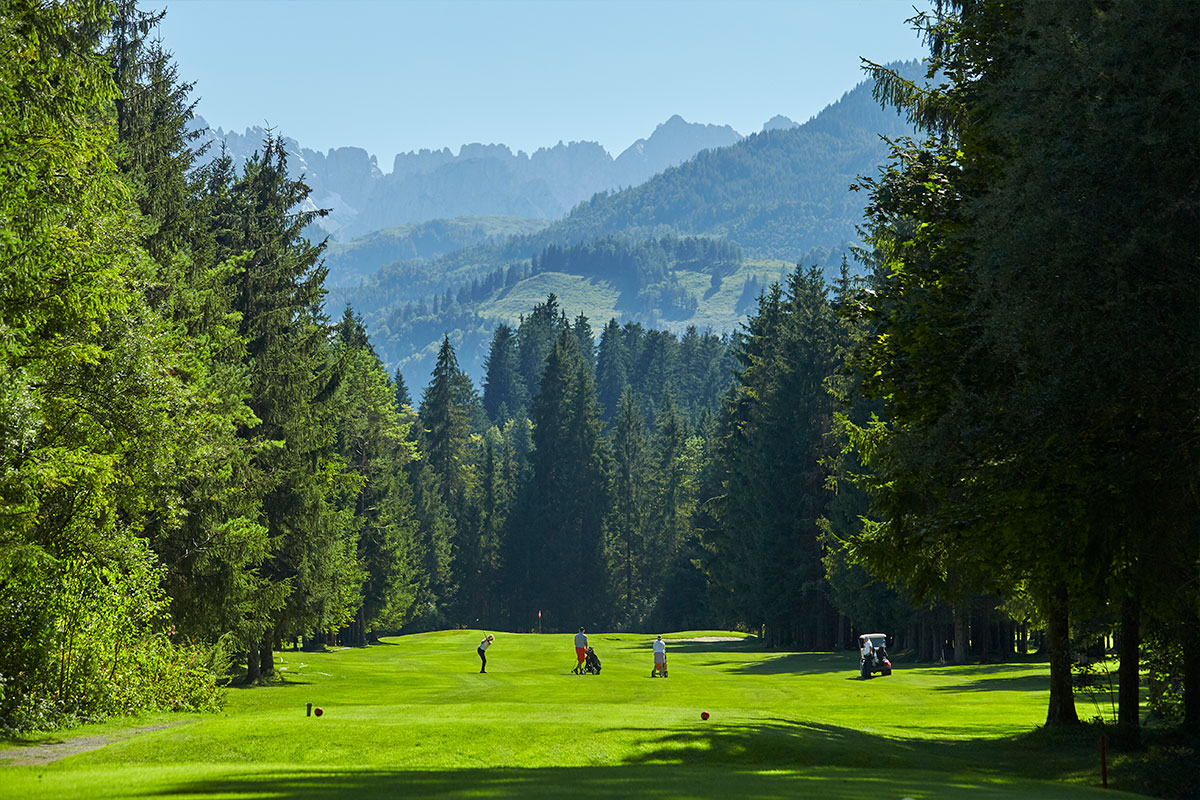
[(1128, 710), (961, 622), (1061, 709), (1191, 679), (981, 632), (252, 671), (266, 656)]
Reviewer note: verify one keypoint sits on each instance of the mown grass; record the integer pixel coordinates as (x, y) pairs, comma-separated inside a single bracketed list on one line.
[(414, 718)]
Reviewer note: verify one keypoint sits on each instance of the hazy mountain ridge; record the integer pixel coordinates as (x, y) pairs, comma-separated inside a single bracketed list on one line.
[(480, 180)]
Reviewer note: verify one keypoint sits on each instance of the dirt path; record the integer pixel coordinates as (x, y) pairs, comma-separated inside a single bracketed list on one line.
[(25, 755)]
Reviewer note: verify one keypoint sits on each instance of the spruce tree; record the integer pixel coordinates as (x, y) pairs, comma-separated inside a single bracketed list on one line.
[(310, 569), (448, 406), (612, 369), (210, 549), (504, 393), (629, 551), (554, 542), (400, 390), (535, 338)]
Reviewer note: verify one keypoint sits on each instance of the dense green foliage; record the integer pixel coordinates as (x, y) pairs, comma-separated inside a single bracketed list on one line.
[(195, 461), (1033, 318), (91, 393)]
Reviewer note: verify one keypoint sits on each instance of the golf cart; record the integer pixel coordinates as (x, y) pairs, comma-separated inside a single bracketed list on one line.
[(872, 648)]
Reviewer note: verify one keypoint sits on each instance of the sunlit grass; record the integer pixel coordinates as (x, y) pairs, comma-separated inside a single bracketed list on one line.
[(413, 717)]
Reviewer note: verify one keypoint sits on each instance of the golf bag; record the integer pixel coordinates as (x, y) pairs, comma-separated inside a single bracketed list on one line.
[(592, 664)]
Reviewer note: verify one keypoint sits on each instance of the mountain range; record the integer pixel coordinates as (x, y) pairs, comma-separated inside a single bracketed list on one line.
[(479, 180)]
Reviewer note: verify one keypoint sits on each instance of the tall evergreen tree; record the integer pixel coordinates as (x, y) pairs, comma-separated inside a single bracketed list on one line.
[(555, 537), (448, 406), (504, 393), (628, 545), (1026, 359), (210, 549), (373, 441), (400, 390), (612, 369), (310, 569), (775, 434), (535, 338)]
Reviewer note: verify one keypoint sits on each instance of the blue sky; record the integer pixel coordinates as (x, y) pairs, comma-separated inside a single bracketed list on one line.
[(398, 75)]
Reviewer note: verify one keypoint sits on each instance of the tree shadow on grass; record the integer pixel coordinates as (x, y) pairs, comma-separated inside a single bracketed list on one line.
[(1021, 683), (774, 759), (652, 781), (750, 644), (992, 669), (279, 679), (793, 664), (1041, 755)]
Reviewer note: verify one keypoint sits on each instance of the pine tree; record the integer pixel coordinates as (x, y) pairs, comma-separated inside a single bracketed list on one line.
[(400, 389), (535, 338), (310, 570), (629, 554), (612, 369), (554, 540), (448, 406), (504, 394), (373, 441), (210, 549), (775, 432)]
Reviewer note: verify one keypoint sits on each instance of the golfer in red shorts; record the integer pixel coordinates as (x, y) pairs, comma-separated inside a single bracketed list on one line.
[(580, 651)]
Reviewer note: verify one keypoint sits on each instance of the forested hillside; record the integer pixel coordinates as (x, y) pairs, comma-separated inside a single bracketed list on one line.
[(349, 263)]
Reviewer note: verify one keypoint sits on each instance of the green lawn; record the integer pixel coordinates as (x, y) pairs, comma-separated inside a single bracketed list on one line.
[(414, 718)]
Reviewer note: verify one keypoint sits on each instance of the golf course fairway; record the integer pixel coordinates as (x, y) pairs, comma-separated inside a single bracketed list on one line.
[(413, 717)]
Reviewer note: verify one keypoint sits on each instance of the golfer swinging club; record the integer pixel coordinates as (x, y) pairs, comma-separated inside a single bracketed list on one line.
[(484, 645)]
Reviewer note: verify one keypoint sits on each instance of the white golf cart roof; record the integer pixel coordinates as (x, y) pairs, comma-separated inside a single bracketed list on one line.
[(872, 636)]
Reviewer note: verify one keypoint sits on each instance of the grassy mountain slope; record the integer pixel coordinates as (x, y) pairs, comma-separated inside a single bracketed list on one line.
[(351, 262), (412, 344)]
